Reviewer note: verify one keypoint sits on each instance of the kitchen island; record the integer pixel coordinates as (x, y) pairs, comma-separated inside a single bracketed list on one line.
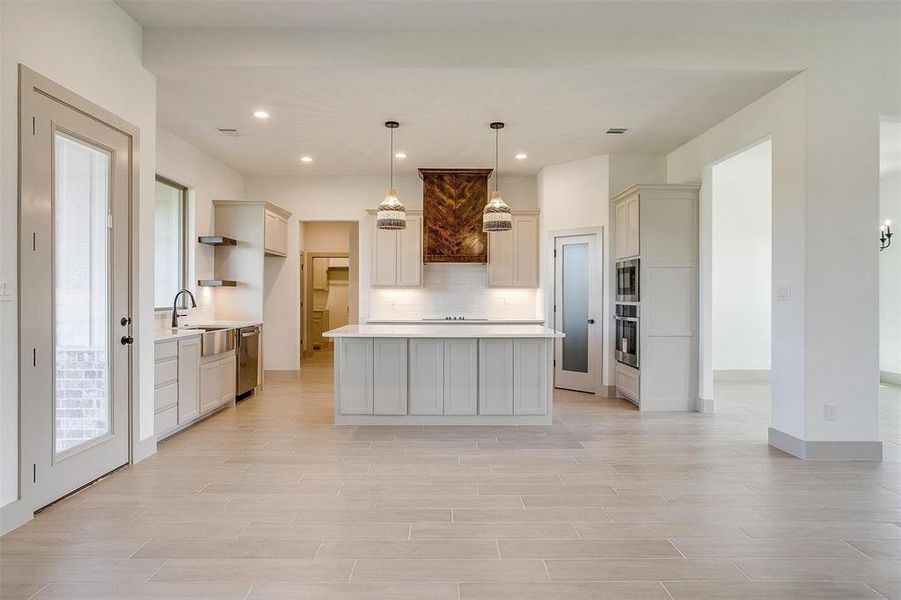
[(486, 374)]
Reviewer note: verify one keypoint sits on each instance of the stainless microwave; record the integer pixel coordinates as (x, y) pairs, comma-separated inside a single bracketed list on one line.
[(627, 280)]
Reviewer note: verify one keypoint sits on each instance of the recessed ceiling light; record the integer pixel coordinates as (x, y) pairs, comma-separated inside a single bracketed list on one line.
[(521, 156), (261, 114), (401, 155), (306, 159)]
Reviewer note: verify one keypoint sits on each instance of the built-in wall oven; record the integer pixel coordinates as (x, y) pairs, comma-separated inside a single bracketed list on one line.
[(627, 334), (627, 280)]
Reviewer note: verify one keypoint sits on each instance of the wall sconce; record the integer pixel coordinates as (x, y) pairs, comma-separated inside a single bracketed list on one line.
[(885, 235)]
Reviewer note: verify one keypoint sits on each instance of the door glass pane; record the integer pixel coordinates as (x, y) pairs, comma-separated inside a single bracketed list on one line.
[(81, 295), (575, 307)]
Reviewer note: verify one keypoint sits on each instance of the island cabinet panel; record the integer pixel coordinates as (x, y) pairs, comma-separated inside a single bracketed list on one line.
[(530, 367), (426, 376), (389, 377), (461, 385), (355, 363), (495, 377)]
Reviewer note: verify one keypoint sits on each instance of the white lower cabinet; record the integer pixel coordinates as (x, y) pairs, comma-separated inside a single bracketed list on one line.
[(354, 363), (227, 378), (209, 386), (530, 373), (389, 376), (426, 376), (421, 380), (495, 377), (188, 379), (461, 384)]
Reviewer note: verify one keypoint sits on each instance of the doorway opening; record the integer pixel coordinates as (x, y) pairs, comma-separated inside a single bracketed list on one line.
[(575, 310), (890, 278), (739, 280), (329, 281)]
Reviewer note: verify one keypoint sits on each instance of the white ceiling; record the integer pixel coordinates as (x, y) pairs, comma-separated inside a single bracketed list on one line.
[(523, 15), (337, 115)]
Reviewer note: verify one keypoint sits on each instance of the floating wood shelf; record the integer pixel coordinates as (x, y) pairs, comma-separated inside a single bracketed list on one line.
[(216, 282), (217, 240)]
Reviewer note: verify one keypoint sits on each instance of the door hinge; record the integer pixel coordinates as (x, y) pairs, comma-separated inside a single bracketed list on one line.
[(109, 220), (555, 308), (555, 362), (555, 253)]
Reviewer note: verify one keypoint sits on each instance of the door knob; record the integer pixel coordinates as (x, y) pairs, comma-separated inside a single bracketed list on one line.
[(591, 321), (126, 340), (125, 321)]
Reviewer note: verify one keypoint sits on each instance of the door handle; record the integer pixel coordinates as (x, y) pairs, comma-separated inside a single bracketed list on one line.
[(591, 321), (126, 340), (125, 321)]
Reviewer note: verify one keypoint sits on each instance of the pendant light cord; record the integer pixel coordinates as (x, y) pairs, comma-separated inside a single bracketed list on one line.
[(496, 173), (391, 160)]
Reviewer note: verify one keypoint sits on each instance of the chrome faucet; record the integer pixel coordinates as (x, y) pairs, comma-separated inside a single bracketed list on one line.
[(175, 306)]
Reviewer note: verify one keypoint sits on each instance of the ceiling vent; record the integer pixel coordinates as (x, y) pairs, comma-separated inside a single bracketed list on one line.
[(229, 131), (616, 131)]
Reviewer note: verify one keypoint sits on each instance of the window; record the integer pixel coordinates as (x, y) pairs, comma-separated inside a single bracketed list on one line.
[(170, 270)]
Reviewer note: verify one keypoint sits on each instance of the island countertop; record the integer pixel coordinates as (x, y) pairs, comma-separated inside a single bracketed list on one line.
[(443, 331)]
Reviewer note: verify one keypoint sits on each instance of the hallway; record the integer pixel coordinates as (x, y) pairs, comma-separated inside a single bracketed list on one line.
[(269, 500)]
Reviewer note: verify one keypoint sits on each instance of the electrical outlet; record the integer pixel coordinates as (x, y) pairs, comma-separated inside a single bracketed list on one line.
[(829, 412)]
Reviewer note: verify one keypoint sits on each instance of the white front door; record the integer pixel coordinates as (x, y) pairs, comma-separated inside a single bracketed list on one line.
[(577, 304), (75, 324)]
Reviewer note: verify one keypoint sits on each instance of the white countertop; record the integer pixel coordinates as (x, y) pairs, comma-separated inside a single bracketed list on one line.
[(452, 322), (215, 323), (442, 331), (186, 329), (168, 334)]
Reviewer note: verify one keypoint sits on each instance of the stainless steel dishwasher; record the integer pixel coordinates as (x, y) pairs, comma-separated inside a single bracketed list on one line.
[(248, 351)]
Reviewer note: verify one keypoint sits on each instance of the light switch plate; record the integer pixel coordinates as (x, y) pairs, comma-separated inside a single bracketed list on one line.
[(7, 290)]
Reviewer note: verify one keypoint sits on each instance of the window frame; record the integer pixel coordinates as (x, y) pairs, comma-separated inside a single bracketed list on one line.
[(183, 239)]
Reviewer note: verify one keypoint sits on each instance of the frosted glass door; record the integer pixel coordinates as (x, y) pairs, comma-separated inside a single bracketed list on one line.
[(575, 297), (81, 304)]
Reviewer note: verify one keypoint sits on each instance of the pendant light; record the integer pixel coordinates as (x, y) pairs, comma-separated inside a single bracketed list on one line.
[(391, 213), (496, 216)]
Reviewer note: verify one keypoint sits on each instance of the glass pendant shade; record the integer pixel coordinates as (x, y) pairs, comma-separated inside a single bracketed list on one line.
[(496, 216), (391, 213)]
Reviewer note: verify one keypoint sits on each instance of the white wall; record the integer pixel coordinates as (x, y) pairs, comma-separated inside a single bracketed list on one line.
[(742, 257), (206, 178), (890, 259), (93, 49), (824, 125), (336, 198), (326, 236)]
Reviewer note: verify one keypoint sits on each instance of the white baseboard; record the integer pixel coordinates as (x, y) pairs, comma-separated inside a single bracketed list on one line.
[(742, 375), (824, 450), (706, 405), (889, 377), (15, 514)]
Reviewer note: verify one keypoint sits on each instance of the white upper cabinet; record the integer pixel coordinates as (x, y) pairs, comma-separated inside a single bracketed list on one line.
[(275, 231), (397, 254), (513, 255), (627, 223)]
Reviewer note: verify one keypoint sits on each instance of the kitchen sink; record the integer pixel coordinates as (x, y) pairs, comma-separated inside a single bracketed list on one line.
[(216, 340)]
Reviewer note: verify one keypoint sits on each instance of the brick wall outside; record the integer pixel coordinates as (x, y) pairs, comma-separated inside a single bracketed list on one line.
[(81, 395)]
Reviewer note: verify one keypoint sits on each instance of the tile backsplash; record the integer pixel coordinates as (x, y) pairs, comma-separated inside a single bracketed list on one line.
[(453, 290)]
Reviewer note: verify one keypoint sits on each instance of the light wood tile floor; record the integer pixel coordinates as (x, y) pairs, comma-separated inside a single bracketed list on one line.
[(270, 500)]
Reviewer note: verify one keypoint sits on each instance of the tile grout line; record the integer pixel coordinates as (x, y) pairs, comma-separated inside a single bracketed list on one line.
[(665, 589)]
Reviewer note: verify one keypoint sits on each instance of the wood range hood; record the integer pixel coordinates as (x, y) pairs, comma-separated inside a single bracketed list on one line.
[(452, 203)]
